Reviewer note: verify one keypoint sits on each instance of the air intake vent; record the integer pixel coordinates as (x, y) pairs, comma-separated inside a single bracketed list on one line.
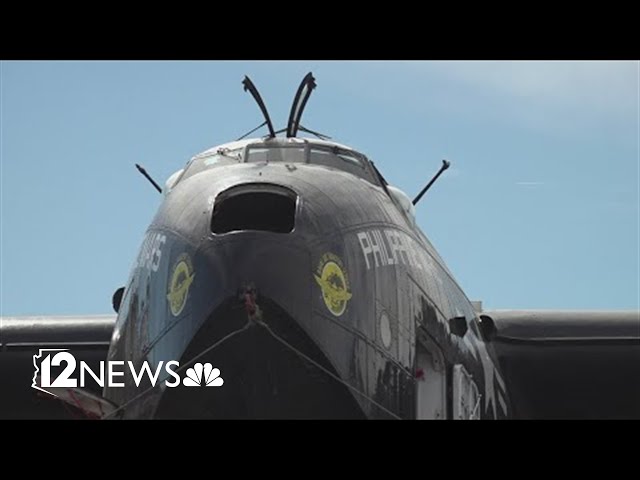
[(263, 207)]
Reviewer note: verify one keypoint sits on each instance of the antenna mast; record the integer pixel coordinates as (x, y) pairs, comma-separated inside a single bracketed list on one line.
[(299, 102), (249, 86), (445, 164)]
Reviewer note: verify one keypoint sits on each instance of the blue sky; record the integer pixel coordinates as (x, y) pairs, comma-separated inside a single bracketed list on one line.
[(540, 208)]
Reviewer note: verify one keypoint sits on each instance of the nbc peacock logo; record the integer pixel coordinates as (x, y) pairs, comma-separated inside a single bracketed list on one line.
[(203, 375)]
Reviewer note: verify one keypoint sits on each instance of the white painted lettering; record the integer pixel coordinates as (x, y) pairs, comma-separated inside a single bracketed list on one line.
[(365, 245)]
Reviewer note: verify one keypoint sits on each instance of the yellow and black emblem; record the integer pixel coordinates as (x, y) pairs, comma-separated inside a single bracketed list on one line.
[(180, 283), (332, 278)]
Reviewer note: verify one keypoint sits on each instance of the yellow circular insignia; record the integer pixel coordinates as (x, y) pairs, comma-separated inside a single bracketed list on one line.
[(179, 284), (332, 278)]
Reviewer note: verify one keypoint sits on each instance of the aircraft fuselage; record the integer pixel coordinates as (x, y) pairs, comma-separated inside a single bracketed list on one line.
[(273, 235)]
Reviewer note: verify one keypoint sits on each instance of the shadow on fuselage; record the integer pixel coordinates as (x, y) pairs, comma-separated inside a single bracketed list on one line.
[(264, 379)]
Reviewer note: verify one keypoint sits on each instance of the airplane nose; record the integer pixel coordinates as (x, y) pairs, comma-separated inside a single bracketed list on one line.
[(246, 273), (249, 292), (250, 316)]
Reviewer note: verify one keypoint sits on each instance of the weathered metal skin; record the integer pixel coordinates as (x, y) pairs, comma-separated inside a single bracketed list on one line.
[(345, 226)]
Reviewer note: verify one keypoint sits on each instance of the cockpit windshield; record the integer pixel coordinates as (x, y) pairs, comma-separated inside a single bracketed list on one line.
[(326, 155), (276, 153), (330, 156)]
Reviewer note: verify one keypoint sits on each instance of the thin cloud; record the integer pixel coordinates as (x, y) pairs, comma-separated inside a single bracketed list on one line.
[(592, 86), (562, 97), (530, 184)]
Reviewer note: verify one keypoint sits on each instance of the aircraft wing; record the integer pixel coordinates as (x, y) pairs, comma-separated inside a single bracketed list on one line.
[(557, 364), (569, 364), (87, 337)]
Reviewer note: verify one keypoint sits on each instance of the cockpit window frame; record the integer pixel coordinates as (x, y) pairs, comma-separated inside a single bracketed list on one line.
[(369, 172), (204, 156), (303, 146), (338, 151)]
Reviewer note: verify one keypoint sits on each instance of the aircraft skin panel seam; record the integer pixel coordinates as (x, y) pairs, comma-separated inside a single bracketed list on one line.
[(358, 334)]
